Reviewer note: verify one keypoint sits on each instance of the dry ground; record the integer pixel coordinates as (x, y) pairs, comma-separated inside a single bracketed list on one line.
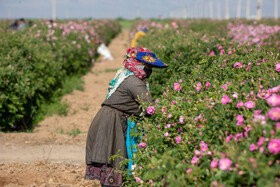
[(49, 156)]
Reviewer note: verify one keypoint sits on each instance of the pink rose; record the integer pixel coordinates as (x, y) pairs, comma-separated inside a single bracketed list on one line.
[(274, 100), (275, 89), (142, 145), (225, 99), (235, 95), (194, 160), (203, 146), (181, 120), (239, 120), (274, 114), (198, 86), (208, 84), (138, 180), (214, 163), (239, 104), (177, 87), (225, 164), (274, 146), (249, 104), (260, 142), (196, 152), (151, 110), (237, 65), (277, 126), (178, 139), (277, 67), (253, 147), (229, 137)]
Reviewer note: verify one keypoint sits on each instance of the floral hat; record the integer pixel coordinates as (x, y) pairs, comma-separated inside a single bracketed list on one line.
[(145, 55)]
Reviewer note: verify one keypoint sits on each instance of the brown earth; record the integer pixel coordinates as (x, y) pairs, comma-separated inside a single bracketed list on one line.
[(53, 156)]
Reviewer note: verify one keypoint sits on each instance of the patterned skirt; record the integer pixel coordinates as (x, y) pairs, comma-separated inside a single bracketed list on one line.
[(104, 173)]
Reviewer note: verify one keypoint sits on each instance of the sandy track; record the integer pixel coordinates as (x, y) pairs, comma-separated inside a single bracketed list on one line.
[(50, 156)]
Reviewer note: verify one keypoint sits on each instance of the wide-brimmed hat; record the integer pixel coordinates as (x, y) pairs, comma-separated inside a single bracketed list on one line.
[(145, 55), (150, 58)]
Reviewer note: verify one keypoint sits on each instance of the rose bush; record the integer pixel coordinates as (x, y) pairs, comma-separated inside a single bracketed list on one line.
[(34, 62), (214, 122)]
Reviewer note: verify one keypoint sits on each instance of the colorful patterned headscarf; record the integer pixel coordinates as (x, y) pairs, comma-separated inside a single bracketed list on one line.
[(131, 66)]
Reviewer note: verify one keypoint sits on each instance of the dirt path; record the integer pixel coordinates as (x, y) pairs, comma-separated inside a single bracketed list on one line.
[(54, 154)]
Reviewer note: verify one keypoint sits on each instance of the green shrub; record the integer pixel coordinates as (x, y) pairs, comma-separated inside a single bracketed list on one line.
[(35, 62), (198, 119)]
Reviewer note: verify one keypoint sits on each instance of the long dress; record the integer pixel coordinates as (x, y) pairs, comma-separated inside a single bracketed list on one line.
[(107, 132)]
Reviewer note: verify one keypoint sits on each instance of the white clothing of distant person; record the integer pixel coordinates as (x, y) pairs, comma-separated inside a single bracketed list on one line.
[(104, 51)]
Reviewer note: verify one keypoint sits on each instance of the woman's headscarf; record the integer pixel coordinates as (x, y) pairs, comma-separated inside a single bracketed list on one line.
[(131, 66)]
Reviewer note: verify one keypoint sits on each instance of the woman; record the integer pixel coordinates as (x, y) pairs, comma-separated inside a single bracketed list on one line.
[(107, 132)]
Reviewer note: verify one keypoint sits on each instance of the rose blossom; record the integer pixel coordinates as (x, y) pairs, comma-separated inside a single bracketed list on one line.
[(166, 134), (194, 160), (225, 99), (177, 87), (238, 135), (235, 95), (274, 100), (169, 115), (151, 110), (239, 104), (167, 125), (274, 146), (253, 147), (203, 146), (198, 86), (239, 120), (181, 120), (264, 94), (277, 126), (277, 67), (260, 118), (229, 137), (260, 142), (275, 89), (249, 104), (138, 180), (225, 164), (178, 139), (274, 114), (208, 84), (142, 145), (224, 87), (196, 152), (133, 167), (237, 65), (189, 170), (214, 163)]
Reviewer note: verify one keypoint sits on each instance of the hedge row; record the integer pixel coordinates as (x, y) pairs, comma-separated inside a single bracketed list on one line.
[(216, 118), (34, 62)]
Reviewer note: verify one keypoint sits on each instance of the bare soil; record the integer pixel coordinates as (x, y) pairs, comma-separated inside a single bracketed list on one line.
[(54, 155)]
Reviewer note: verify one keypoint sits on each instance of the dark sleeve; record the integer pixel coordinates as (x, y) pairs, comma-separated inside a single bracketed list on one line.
[(137, 89)]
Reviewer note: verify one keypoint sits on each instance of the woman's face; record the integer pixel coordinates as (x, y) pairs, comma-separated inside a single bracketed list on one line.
[(148, 69), (148, 66)]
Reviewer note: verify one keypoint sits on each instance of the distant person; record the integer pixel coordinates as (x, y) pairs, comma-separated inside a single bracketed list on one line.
[(14, 25), (138, 35), (105, 52), (30, 23), (21, 24)]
